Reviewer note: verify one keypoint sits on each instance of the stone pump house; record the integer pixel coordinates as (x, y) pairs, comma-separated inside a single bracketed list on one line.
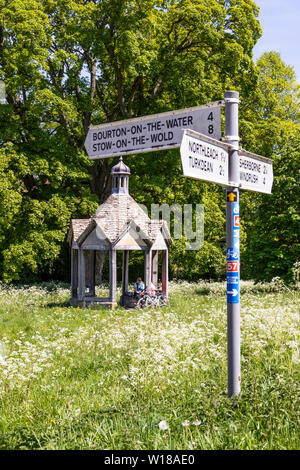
[(118, 225)]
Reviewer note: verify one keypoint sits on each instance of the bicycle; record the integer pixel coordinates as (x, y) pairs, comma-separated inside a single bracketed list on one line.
[(156, 300)]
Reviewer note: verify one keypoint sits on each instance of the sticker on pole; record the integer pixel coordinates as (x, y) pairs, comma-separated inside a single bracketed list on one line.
[(232, 278), (233, 296), (232, 254), (232, 266), (236, 221), (231, 196)]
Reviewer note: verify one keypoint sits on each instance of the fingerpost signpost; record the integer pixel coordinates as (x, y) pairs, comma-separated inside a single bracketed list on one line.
[(204, 157)]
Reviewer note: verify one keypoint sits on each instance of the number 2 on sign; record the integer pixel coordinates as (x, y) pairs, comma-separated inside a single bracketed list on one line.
[(232, 266), (210, 127)]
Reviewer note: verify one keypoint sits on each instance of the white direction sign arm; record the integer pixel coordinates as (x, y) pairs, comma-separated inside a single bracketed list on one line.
[(204, 158), (256, 172), (150, 133)]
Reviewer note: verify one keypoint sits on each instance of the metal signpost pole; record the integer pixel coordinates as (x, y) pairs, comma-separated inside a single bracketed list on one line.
[(233, 245)]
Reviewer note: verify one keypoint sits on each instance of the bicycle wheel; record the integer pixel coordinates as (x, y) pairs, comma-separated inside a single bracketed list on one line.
[(141, 303), (163, 301)]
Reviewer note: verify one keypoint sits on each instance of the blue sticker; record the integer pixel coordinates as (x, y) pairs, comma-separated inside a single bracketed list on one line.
[(233, 296), (233, 278), (232, 254), (235, 219), (236, 244), (235, 208)]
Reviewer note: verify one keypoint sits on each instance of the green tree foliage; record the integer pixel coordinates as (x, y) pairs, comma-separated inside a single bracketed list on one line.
[(67, 63), (271, 127), (273, 238)]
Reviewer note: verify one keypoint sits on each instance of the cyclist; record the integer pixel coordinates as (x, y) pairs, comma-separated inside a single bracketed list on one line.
[(138, 288)]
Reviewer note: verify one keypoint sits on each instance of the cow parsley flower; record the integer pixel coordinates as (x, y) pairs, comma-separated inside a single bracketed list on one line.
[(163, 425), (185, 423)]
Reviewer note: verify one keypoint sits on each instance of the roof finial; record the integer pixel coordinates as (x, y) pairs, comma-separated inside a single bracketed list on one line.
[(120, 176)]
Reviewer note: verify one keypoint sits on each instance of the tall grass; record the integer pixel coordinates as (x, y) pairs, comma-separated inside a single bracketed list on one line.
[(74, 378)]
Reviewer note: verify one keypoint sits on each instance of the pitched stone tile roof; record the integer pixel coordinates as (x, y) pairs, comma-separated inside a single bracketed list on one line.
[(116, 212), (114, 216), (77, 227)]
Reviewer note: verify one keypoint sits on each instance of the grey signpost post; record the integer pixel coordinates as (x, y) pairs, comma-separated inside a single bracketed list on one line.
[(233, 244)]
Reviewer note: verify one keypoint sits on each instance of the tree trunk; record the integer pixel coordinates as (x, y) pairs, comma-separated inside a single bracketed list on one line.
[(101, 181), (100, 260)]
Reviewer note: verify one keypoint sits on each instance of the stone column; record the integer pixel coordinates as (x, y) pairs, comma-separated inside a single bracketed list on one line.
[(165, 272), (81, 274), (91, 272), (74, 276), (112, 276), (155, 267), (148, 259), (125, 271)]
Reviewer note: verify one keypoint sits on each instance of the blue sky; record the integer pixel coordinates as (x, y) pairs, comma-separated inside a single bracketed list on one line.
[(280, 21)]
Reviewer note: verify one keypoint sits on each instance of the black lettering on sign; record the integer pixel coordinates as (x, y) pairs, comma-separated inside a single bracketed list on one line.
[(200, 164), (179, 122), (137, 129), (248, 177), (109, 133), (210, 127), (141, 140), (154, 126), (121, 143), (162, 136), (102, 146)]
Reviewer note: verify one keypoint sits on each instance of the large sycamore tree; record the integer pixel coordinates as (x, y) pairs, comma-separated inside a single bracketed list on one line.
[(69, 63), (270, 126)]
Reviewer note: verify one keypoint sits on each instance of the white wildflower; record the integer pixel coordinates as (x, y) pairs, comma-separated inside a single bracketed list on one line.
[(295, 358), (163, 425), (185, 423), (196, 422)]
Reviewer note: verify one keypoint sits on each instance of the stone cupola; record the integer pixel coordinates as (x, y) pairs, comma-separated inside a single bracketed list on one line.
[(120, 178)]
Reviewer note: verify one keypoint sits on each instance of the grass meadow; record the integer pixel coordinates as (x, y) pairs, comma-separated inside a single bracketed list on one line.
[(73, 378)]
